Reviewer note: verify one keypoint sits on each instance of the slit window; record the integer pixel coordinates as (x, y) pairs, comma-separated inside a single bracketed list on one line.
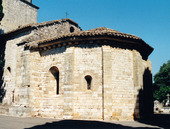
[(55, 72), (88, 79), (9, 69)]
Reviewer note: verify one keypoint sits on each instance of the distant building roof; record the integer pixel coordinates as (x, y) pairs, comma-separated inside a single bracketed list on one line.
[(21, 29)]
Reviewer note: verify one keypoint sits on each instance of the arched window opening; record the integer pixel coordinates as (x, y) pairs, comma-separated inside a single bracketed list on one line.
[(55, 72), (88, 80), (9, 69), (71, 29)]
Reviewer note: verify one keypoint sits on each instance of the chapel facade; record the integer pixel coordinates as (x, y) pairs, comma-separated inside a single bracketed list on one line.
[(54, 69)]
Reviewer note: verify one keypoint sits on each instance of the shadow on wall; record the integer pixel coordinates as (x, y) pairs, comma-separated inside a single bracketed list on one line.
[(85, 45), (2, 62), (145, 98), (1, 31), (161, 120), (80, 124)]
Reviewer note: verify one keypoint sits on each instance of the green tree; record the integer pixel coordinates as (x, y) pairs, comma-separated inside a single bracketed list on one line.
[(1, 10), (1, 63), (1, 16), (2, 92), (161, 84)]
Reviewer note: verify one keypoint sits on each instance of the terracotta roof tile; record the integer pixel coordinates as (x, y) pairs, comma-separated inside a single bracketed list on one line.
[(20, 28), (98, 33), (41, 24), (55, 21), (101, 31)]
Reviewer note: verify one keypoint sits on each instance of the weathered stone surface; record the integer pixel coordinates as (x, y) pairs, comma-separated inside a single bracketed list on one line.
[(17, 13), (113, 98), (51, 72)]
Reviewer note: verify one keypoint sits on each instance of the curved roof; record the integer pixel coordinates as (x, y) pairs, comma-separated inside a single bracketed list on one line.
[(101, 31), (113, 37)]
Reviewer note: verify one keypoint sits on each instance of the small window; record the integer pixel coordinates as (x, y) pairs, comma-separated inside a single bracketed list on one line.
[(9, 69), (71, 29), (88, 80), (55, 72)]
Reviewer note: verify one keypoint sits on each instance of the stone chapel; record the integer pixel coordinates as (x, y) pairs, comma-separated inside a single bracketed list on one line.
[(55, 69)]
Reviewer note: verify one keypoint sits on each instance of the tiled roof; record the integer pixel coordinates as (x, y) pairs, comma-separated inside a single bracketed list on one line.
[(21, 28), (56, 21), (99, 34), (101, 31)]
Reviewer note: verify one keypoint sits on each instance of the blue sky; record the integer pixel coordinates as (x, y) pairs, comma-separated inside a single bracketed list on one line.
[(148, 19)]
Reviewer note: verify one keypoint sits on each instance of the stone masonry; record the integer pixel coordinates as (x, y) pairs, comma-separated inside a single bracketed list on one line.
[(54, 69), (17, 13)]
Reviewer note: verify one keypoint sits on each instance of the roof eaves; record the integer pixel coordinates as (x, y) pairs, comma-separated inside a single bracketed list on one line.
[(35, 25), (133, 40), (56, 21), (32, 5), (89, 34), (18, 31)]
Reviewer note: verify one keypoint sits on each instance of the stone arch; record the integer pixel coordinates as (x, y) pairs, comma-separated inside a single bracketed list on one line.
[(88, 79), (55, 72)]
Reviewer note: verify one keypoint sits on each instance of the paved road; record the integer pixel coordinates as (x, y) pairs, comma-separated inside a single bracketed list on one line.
[(7, 122)]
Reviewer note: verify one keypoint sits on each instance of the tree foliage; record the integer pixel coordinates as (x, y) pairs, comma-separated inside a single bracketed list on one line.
[(162, 82), (1, 10), (1, 63), (1, 16)]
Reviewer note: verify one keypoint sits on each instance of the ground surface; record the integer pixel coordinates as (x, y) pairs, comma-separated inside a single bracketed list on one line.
[(7, 122)]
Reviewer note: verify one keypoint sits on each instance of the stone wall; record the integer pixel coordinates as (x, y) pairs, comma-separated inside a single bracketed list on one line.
[(122, 84), (27, 85), (74, 100), (87, 104), (46, 102), (112, 98), (117, 79), (51, 30), (142, 86), (74, 80), (17, 13), (16, 78)]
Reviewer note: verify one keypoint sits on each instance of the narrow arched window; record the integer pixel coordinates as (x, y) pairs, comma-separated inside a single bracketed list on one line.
[(9, 69), (55, 72), (88, 79)]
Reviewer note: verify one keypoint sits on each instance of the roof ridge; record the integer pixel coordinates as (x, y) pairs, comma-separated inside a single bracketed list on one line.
[(93, 32), (103, 29), (43, 24), (54, 21)]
